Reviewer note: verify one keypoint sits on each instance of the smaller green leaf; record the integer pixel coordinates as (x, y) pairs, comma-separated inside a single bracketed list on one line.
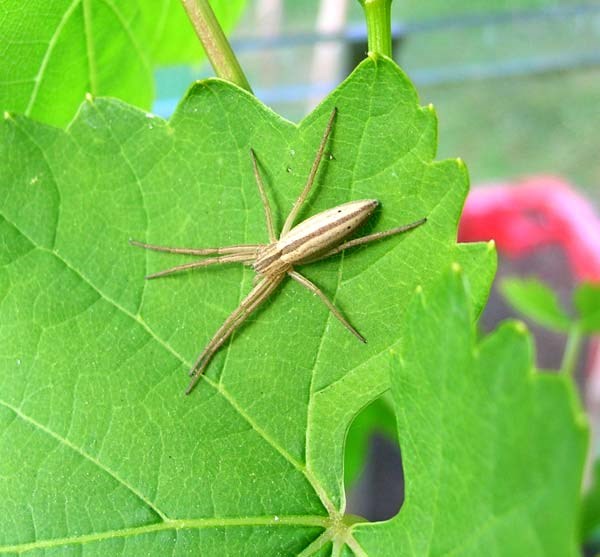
[(535, 300), (590, 512), (493, 451), (587, 302), (171, 37)]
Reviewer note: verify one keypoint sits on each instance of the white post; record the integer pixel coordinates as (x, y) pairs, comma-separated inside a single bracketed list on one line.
[(268, 17), (328, 56)]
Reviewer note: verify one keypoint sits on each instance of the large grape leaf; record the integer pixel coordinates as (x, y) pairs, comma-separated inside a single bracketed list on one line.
[(54, 52), (493, 451), (101, 452)]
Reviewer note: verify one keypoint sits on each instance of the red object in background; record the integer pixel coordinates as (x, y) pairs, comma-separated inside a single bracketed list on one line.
[(525, 215), (535, 212)]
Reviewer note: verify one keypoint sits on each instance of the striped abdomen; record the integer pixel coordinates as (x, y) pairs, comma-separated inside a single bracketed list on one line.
[(315, 235)]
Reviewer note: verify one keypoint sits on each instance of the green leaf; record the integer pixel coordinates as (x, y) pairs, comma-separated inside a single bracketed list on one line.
[(587, 301), (378, 417), (537, 302), (101, 452), (56, 52), (170, 36), (590, 514), (493, 451)]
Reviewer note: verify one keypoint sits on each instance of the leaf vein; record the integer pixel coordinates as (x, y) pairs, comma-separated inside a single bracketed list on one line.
[(325, 325), (89, 46), (175, 525), (85, 455), (46, 59), (130, 35)]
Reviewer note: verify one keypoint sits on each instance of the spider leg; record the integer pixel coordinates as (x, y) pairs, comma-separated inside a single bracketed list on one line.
[(368, 238), (252, 301), (235, 319), (311, 177), (336, 312), (242, 248), (263, 198), (234, 258)]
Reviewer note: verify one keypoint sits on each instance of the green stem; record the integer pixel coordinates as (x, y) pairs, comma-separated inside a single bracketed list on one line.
[(572, 349), (215, 43), (379, 25)]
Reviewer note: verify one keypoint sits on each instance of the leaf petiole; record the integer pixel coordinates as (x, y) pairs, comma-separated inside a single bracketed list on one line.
[(215, 43), (572, 349), (379, 25)]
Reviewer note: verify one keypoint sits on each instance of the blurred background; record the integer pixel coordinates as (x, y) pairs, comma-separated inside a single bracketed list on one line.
[(516, 85)]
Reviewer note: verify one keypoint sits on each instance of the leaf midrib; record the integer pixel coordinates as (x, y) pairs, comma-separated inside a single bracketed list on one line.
[(182, 524), (46, 59)]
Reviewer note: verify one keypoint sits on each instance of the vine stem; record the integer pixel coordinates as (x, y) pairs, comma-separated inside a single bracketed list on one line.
[(379, 25), (215, 43), (572, 349)]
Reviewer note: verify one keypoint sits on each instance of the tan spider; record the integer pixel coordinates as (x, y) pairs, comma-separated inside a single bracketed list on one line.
[(316, 238)]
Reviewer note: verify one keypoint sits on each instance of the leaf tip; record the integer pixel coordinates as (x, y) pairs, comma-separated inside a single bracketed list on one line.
[(7, 115), (460, 163), (520, 327), (491, 246), (419, 290), (89, 98), (456, 268)]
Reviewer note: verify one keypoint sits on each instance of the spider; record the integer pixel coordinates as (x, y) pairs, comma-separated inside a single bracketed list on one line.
[(313, 239)]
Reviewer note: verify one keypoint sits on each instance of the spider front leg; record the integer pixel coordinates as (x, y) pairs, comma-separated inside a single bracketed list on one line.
[(289, 221), (369, 238)]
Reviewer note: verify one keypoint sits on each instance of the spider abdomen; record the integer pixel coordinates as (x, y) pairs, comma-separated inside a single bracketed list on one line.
[(314, 235)]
